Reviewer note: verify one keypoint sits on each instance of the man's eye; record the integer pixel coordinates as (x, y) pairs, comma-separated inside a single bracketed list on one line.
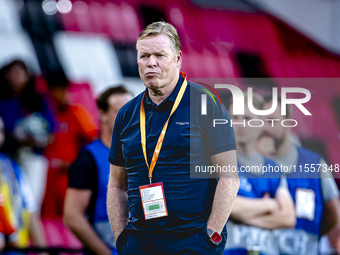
[(160, 55)]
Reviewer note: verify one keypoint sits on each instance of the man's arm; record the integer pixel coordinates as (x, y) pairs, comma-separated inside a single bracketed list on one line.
[(76, 203), (334, 234), (283, 217), (36, 230), (330, 195), (245, 208), (329, 216), (226, 191), (117, 200)]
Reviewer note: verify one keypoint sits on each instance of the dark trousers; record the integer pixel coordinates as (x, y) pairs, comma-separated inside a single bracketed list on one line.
[(198, 243)]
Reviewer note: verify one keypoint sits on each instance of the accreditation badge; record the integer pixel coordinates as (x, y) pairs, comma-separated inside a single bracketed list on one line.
[(153, 200), (305, 203)]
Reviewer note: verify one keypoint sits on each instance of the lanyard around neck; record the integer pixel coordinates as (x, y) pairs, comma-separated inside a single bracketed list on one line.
[(161, 136)]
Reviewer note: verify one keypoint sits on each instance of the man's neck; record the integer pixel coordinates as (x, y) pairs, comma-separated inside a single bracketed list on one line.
[(245, 149), (282, 148), (158, 96), (106, 136)]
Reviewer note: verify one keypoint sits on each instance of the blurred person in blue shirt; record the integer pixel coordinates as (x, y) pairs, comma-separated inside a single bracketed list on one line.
[(314, 193), (261, 204), (85, 212)]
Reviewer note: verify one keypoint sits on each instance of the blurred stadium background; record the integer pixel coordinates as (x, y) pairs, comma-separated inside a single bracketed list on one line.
[(93, 43)]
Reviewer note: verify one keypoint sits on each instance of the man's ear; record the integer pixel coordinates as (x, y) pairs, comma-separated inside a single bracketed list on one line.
[(179, 59)]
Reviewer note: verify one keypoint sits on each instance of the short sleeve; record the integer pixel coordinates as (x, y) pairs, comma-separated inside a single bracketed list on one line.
[(83, 172), (217, 126), (328, 185), (116, 151)]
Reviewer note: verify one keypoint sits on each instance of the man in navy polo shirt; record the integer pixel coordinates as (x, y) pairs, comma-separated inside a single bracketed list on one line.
[(159, 137)]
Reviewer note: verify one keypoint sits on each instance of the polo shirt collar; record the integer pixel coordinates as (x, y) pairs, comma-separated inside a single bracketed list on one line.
[(172, 96)]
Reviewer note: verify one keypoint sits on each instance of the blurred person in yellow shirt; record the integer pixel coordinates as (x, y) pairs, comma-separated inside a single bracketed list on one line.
[(19, 218)]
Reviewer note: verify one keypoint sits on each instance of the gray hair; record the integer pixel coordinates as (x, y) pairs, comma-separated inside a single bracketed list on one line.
[(164, 28)]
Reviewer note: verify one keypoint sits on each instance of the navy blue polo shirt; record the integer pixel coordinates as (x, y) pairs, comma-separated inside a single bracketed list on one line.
[(190, 140)]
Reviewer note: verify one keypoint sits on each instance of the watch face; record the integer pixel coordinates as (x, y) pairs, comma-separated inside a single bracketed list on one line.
[(216, 238)]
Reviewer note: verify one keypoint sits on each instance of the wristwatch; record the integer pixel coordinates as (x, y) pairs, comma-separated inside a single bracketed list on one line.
[(215, 237)]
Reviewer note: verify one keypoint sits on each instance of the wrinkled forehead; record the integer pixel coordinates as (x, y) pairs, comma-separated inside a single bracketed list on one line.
[(155, 43)]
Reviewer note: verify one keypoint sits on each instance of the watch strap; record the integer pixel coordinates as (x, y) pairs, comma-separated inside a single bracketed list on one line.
[(210, 232)]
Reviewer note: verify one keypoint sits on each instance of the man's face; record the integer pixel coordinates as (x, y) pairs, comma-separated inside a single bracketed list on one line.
[(278, 131), (247, 134), (116, 101), (17, 77), (2, 132), (158, 64)]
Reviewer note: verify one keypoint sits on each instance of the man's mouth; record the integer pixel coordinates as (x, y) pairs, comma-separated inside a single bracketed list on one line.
[(151, 74)]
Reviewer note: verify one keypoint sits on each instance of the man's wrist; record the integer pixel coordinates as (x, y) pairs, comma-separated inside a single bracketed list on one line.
[(209, 226), (116, 234), (271, 204), (275, 204), (209, 231), (215, 237)]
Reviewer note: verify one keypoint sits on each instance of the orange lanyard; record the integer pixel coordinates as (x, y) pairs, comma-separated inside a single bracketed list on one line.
[(161, 136)]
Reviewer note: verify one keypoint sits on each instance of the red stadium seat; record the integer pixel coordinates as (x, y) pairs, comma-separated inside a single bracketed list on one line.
[(114, 18), (70, 21), (131, 22)]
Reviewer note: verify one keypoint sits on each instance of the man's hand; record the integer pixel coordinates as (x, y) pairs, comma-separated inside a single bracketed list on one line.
[(330, 215), (247, 208), (272, 204), (334, 238), (282, 217)]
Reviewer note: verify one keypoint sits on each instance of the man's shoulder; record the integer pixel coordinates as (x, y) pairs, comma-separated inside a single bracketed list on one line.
[(269, 161), (202, 89), (7, 161), (83, 162), (95, 144), (4, 157), (308, 153), (199, 89)]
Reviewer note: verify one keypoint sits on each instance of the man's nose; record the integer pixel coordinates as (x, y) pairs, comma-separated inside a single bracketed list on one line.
[(152, 61)]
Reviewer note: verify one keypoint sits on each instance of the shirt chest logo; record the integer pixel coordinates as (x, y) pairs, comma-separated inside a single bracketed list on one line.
[(182, 123)]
